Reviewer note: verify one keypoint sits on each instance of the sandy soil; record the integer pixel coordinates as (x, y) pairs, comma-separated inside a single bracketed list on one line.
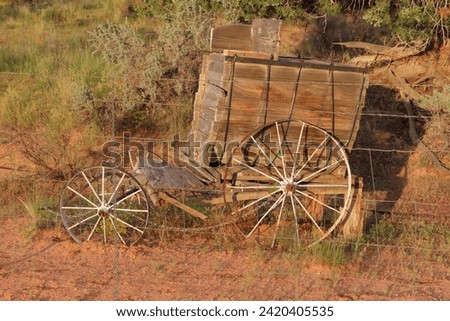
[(50, 266), (47, 265)]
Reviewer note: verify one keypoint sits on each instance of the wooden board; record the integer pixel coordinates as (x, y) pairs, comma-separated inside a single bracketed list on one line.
[(172, 177), (266, 36), (262, 36), (236, 37)]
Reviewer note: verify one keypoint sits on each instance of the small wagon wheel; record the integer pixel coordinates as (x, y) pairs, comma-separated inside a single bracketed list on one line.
[(105, 204), (289, 178)]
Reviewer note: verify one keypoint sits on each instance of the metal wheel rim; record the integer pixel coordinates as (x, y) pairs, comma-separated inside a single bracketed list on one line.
[(284, 189), (104, 203)]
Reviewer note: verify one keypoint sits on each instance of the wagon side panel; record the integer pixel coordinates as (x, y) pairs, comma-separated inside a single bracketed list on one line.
[(239, 95), (212, 93)]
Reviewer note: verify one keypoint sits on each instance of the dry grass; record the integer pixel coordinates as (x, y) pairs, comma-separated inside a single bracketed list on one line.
[(56, 78)]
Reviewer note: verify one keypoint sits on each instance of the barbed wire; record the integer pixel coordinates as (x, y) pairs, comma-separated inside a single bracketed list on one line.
[(420, 209), (25, 73), (170, 140), (370, 197), (366, 112), (196, 80)]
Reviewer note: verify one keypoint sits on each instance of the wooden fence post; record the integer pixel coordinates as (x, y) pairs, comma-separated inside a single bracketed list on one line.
[(354, 224)]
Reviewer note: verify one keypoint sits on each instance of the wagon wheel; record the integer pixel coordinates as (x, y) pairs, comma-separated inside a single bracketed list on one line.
[(105, 204), (289, 179)]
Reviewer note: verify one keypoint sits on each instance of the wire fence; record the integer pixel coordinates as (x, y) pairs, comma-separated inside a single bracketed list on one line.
[(404, 252)]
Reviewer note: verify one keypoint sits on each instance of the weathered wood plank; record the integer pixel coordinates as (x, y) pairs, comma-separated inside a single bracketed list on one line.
[(294, 62), (171, 176), (182, 206), (235, 37), (234, 107), (204, 126), (250, 72), (262, 36), (266, 36), (215, 64), (237, 197), (247, 54), (354, 224)]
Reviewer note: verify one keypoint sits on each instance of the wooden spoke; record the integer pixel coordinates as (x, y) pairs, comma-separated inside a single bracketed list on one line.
[(316, 200), (310, 157), (81, 222), (257, 171), (278, 222), (257, 201), (297, 234), (127, 224), (304, 174), (280, 150), (318, 172), (297, 150), (308, 214), (92, 188), (280, 199), (123, 207), (83, 197), (267, 157), (117, 232), (94, 228), (117, 187), (125, 198)]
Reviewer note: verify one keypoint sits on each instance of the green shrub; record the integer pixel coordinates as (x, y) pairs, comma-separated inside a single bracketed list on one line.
[(411, 21), (384, 232), (247, 10), (13, 59), (151, 77), (49, 126), (439, 100)]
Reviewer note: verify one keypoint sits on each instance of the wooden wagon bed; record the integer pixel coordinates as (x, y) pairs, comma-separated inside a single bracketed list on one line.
[(242, 90)]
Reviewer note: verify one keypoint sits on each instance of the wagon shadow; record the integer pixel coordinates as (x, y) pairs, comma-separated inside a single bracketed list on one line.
[(381, 151)]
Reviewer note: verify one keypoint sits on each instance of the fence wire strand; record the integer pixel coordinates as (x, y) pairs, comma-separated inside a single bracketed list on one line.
[(374, 200)]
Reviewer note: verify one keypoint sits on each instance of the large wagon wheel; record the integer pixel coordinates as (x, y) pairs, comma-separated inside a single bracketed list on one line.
[(105, 204), (289, 179)]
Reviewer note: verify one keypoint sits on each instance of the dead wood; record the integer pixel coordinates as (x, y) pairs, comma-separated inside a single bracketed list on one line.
[(407, 93), (416, 140), (401, 85), (14, 169), (370, 47), (380, 53)]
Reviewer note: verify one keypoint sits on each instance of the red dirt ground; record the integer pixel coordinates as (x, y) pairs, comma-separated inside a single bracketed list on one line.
[(52, 267), (45, 264)]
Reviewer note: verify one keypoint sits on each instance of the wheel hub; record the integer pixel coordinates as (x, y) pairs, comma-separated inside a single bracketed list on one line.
[(103, 212), (289, 188)]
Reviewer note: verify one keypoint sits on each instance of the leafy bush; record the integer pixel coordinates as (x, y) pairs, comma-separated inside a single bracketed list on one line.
[(439, 100), (386, 231), (247, 10), (412, 21), (162, 73)]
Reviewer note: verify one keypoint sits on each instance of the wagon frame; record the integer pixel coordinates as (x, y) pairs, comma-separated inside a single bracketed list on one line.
[(289, 172)]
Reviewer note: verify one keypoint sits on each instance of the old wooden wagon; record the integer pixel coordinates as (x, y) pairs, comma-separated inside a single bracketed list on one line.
[(269, 147)]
